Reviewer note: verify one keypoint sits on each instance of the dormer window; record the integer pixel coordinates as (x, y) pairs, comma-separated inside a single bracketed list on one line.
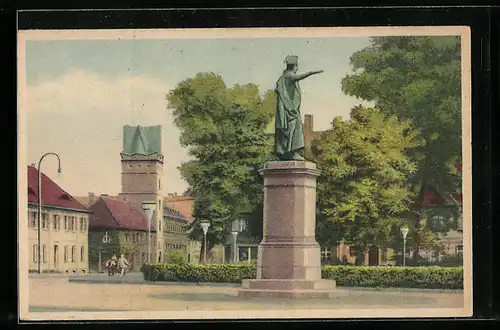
[(65, 197)]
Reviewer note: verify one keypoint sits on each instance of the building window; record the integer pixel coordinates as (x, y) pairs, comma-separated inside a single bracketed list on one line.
[(143, 258), (73, 253), (45, 221), (459, 250), (56, 222), (44, 253), (81, 224), (73, 223), (35, 253), (65, 253), (438, 221), (159, 184), (34, 220), (243, 225), (82, 253), (66, 223)]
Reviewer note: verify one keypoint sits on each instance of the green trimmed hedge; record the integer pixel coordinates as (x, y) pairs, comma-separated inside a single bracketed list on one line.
[(399, 277), (358, 276)]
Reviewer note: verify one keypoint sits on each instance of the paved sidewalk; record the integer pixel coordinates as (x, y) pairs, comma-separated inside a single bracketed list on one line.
[(59, 294)]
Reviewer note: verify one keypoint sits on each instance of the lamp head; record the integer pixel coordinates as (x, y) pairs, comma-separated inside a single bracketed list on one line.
[(204, 226), (404, 231), (234, 233), (148, 208)]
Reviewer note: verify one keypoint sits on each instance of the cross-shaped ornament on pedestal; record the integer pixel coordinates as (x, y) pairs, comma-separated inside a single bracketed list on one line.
[(325, 253)]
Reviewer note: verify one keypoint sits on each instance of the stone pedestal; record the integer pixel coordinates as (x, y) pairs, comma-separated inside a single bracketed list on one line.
[(289, 262)]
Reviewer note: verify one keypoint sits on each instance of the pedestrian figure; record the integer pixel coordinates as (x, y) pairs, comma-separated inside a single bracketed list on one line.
[(111, 265), (123, 264)]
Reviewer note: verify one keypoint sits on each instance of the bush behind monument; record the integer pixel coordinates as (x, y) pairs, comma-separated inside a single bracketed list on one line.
[(349, 276)]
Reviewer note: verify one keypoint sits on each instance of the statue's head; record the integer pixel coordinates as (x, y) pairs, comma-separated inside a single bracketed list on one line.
[(292, 63)]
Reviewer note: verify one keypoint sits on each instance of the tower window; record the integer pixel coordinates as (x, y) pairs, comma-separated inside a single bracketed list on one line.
[(159, 184)]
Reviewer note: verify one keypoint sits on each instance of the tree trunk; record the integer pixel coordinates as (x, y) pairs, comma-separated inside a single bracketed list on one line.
[(360, 256), (417, 221)]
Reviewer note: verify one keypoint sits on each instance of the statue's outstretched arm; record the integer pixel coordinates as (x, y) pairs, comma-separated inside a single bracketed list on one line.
[(305, 75)]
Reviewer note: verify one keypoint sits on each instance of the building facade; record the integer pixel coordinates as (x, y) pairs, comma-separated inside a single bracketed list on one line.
[(175, 232), (185, 206), (64, 228), (117, 226)]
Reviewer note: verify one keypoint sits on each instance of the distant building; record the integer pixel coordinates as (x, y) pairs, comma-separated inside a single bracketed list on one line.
[(185, 206), (246, 246), (440, 211), (175, 231), (125, 227), (64, 240), (309, 133)]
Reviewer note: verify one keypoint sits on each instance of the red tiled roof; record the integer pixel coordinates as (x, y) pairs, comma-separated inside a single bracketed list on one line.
[(117, 213), (52, 194)]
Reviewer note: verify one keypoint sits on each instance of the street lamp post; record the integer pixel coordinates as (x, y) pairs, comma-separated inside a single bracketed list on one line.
[(105, 240), (40, 203), (235, 246), (205, 226), (404, 231), (149, 208)]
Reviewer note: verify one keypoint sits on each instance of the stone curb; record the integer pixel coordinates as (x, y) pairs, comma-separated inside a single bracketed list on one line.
[(357, 288), (233, 285), (130, 281)]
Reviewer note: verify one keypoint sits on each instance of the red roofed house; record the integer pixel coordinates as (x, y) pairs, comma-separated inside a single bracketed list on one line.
[(64, 233), (440, 210), (118, 226)]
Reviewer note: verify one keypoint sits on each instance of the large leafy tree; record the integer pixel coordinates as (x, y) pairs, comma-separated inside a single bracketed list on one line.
[(224, 131), (362, 190), (418, 79)]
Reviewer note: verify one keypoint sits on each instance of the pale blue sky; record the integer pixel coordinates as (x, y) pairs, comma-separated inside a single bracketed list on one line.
[(81, 93)]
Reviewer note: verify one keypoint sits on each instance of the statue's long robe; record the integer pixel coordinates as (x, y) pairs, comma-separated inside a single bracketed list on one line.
[(289, 129)]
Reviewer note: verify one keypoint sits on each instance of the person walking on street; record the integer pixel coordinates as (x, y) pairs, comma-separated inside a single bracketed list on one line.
[(123, 264), (111, 265)]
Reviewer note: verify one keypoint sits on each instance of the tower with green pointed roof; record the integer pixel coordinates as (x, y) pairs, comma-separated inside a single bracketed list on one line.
[(142, 171)]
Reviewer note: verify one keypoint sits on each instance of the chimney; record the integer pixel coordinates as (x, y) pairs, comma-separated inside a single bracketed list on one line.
[(308, 123), (308, 130), (92, 198)]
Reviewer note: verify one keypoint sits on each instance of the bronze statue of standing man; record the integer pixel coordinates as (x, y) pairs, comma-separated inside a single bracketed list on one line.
[(289, 129)]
